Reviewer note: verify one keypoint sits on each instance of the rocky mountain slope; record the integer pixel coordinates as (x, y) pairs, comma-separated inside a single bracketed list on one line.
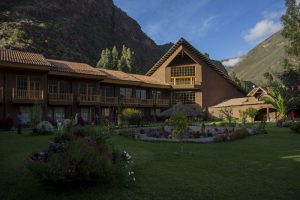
[(265, 57), (74, 30)]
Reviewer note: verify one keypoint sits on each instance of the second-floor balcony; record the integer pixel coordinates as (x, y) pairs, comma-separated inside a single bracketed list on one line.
[(89, 99), (1, 94), (109, 100), (27, 96), (162, 102), (60, 98), (182, 82)]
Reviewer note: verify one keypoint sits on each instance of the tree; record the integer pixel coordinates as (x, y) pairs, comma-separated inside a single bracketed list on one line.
[(179, 122), (282, 100), (130, 61), (122, 64), (115, 58), (291, 31), (102, 59), (227, 114), (251, 112)]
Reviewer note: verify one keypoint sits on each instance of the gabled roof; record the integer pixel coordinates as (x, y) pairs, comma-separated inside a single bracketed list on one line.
[(131, 78), (20, 57), (239, 102), (256, 90), (73, 67), (197, 54)]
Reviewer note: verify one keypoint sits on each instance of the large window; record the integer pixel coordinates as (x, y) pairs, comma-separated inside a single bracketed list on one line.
[(183, 75), (28, 83), (55, 86), (87, 88), (182, 71), (186, 97), (107, 91), (140, 94), (126, 92), (156, 94)]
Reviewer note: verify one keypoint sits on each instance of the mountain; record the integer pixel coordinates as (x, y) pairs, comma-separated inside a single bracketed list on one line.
[(74, 30), (265, 57)]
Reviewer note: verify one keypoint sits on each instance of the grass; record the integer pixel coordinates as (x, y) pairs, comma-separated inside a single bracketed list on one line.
[(258, 167)]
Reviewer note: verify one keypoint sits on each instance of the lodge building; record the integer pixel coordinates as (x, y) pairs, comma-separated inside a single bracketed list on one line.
[(64, 88)]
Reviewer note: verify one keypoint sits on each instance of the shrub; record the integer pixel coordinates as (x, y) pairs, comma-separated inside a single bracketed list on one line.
[(44, 128), (296, 127), (80, 161), (132, 116), (128, 133), (251, 112), (8, 122), (220, 138), (179, 122), (238, 134)]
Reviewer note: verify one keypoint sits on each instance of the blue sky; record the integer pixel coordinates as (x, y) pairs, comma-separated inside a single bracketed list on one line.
[(223, 28)]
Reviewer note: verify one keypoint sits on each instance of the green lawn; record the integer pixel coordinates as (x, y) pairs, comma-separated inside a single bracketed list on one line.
[(258, 167)]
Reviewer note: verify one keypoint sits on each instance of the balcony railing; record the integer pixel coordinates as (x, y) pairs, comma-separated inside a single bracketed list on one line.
[(89, 98), (146, 101), (130, 101), (185, 80), (162, 102), (27, 94), (65, 97), (109, 100)]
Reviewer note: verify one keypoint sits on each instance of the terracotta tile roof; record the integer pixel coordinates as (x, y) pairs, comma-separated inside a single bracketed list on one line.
[(198, 55), (122, 76), (239, 102), (8, 55), (73, 67)]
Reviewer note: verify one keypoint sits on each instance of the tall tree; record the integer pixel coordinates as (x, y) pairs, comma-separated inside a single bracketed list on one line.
[(291, 31), (122, 64), (130, 61), (102, 59), (115, 58)]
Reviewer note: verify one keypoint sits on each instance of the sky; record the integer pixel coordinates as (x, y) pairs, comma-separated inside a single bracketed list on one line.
[(222, 28)]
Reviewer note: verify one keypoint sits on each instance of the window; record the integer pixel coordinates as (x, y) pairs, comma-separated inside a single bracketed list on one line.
[(87, 88), (25, 114), (22, 83), (55, 86), (59, 114), (183, 75), (182, 71), (107, 91), (85, 114), (156, 94), (106, 112), (140, 94), (187, 97), (126, 92)]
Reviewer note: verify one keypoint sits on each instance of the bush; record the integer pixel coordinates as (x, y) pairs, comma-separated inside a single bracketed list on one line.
[(296, 127), (132, 116), (80, 161), (44, 128), (238, 134), (179, 122), (220, 137)]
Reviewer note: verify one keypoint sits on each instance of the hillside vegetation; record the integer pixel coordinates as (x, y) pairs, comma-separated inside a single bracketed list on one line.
[(265, 57), (74, 30)]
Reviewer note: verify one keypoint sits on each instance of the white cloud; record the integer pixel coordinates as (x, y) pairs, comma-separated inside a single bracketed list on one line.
[(232, 62), (273, 15), (261, 30)]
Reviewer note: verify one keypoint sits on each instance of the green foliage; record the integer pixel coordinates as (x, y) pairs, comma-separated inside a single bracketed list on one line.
[(282, 100), (110, 59), (36, 115), (291, 31), (296, 127), (251, 112), (16, 35), (132, 116), (81, 160), (238, 81), (179, 122), (227, 114)]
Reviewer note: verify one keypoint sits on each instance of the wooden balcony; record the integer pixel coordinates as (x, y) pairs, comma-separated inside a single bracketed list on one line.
[(27, 96), (88, 99), (109, 101), (60, 98), (130, 101), (146, 102), (1, 94), (185, 82), (162, 102)]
